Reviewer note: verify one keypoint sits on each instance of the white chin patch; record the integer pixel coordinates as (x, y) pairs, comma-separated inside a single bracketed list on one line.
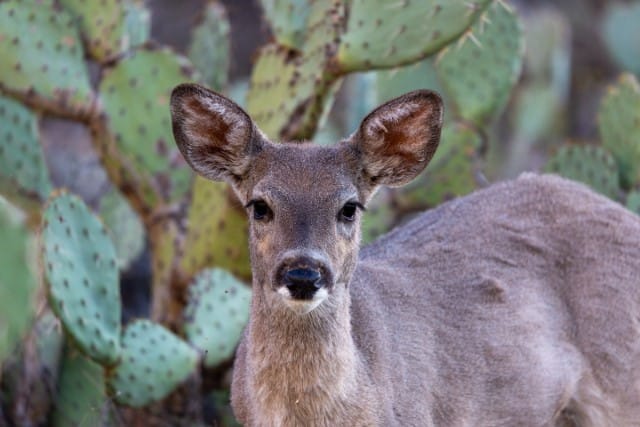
[(303, 306)]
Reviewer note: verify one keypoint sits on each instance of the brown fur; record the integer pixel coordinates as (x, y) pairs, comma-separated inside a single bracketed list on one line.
[(518, 305)]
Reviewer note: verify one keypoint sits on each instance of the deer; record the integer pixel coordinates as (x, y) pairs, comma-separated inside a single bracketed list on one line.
[(516, 305)]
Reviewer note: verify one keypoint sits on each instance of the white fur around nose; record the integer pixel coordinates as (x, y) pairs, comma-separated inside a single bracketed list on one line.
[(302, 307)]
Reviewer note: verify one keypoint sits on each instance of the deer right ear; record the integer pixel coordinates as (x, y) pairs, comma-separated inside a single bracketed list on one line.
[(215, 136), (396, 141)]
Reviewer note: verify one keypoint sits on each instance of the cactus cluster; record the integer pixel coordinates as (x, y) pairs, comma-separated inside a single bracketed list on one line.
[(145, 362), (611, 168)]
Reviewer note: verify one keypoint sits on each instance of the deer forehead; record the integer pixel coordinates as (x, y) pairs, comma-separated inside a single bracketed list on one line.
[(300, 173)]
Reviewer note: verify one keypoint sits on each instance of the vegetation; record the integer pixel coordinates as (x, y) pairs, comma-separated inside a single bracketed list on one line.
[(67, 356)]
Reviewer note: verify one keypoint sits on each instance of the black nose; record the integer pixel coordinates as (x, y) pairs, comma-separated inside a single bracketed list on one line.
[(302, 283)]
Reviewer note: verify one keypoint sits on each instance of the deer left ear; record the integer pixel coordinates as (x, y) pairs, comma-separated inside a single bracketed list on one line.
[(397, 140)]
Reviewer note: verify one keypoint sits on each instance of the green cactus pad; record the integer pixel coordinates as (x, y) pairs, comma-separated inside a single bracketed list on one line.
[(209, 50), (288, 20), (384, 34), (217, 232), (633, 201), (301, 82), (137, 23), (125, 228), (619, 124), (42, 58), (451, 172), (24, 178), (138, 148), (81, 267), (81, 398), (622, 34), (102, 25), (17, 282), (589, 164), (154, 362), (216, 313), (479, 71)]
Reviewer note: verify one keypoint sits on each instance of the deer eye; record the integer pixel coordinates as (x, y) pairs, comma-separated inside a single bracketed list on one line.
[(348, 211), (261, 210)]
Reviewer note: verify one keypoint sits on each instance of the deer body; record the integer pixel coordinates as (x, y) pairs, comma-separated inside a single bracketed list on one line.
[(518, 305)]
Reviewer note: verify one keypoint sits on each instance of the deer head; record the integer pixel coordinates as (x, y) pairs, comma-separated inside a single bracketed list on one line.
[(304, 201)]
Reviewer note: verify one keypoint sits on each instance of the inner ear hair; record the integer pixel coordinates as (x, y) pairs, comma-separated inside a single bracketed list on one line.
[(399, 138), (215, 135)]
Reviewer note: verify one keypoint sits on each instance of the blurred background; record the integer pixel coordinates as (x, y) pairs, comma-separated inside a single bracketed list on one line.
[(109, 245)]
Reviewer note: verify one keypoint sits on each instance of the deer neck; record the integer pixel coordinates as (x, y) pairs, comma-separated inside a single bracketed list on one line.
[(304, 366)]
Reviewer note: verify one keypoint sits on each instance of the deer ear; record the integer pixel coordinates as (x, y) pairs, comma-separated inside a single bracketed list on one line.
[(215, 136), (397, 140)]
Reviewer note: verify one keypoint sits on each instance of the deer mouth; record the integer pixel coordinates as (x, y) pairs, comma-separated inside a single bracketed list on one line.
[(303, 306)]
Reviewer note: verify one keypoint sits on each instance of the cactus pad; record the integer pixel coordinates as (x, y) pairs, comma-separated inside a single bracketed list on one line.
[(217, 311), (124, 226), (288, 20), (138, 149), (137, 23), (622, 34), (384, 34), (217, 231), (102, 25), (589, 164), (17, 283), (154, 362), (619, 123), (480, 70), (42, 58), (24, 178), (209, 50), (81, 398), (81, 268), (301, 81)]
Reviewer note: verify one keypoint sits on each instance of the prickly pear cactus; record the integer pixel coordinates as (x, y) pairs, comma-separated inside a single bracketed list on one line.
[(622, 34), (81, 268), (619, 124), (590, 164), (216, 314), (124, 226), (102, 25), (53, 75), (217, 231), (154, 362), (288, 19), (137, 145), (384, 34), (480, 70), (24, 178), (82, 398), (137, 23), (300, 81), (209, 50), (17, 282)]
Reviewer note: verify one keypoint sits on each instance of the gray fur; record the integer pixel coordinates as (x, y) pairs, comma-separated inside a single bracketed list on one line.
[(518, 305)]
